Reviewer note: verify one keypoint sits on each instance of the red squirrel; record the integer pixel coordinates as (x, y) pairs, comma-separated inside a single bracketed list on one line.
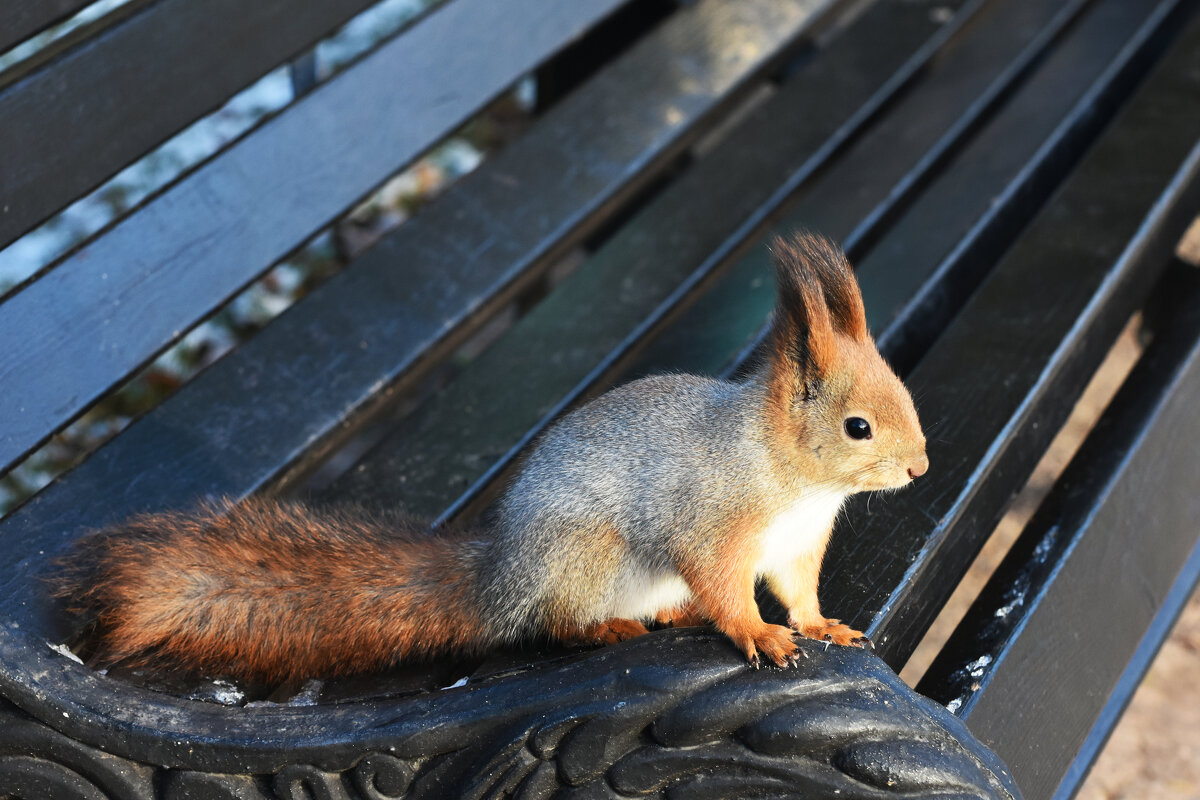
[(662, 500)]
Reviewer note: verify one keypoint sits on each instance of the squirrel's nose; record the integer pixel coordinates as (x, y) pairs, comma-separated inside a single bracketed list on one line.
[(919, 467)]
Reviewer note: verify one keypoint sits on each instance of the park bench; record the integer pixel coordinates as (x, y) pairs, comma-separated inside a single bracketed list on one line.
[(1010, 177)]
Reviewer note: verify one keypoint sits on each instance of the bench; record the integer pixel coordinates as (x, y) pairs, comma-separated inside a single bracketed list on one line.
[(1009, 178)]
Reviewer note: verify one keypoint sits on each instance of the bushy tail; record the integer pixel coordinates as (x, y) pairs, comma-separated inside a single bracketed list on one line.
[(271, 592)]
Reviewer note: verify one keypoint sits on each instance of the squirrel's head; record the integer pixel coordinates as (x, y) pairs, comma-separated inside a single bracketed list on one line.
[(836, 410)]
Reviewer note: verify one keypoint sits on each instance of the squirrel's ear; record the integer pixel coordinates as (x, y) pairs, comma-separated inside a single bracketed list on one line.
[(842, 295), (802, 341)]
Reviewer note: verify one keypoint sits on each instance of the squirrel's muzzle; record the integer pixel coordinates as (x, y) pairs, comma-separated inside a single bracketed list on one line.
[(919, 466)]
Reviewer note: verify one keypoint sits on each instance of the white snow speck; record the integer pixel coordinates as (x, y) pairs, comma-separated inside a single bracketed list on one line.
[(1004, 611), (226, 693), (308, 694), (63, 650), (460, 682), (975, 668)]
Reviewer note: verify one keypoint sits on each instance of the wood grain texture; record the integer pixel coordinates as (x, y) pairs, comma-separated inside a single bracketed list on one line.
[(21, 19), (942, 135), (102, 104), (453, 452), (119, 300)]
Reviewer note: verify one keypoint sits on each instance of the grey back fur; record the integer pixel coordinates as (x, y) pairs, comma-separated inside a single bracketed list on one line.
[(621, 475)]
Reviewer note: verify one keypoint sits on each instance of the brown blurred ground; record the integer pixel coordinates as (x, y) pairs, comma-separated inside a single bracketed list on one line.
[(1154, 754)]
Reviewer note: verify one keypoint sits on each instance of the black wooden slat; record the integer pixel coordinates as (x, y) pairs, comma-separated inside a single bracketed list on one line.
[(100, 106), (886, 165), (21, 19), (280, 396), (458, 445), (430, 458), (1046, 643), (939, 247), (1044, 319), (987, 187), (32, 59), (112, 305), (997, 188), (1156, 634)]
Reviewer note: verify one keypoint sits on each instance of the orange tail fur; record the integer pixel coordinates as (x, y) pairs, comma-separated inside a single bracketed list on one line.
[(272, 592)]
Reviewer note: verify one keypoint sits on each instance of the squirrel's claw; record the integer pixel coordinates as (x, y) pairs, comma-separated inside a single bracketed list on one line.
[(771, 642)]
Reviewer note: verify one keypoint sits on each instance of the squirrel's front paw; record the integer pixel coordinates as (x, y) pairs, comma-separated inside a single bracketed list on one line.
[(831, 630), (774, 642)]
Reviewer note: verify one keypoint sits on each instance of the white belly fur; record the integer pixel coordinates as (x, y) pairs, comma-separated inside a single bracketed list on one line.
[(644, 591), (798, 529)]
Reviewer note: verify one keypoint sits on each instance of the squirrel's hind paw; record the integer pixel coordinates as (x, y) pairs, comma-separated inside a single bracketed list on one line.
[(610, 631), (832, 630)]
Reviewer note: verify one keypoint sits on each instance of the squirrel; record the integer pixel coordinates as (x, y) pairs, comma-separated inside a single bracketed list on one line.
[(663, 500)]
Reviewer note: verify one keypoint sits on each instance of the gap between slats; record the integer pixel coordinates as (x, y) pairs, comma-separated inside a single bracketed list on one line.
[(1096, 397)]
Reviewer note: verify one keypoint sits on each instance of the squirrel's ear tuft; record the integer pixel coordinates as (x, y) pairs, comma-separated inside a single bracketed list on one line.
[(814, 254), (802, 341)]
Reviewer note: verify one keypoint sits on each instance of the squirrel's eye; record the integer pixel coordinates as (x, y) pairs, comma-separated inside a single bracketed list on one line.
[(858, 428)]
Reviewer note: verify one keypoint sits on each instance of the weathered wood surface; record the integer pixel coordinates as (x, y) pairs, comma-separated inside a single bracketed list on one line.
[(100, 105), (1113, 548), (1044, 318), (20, 19), (186, 251)]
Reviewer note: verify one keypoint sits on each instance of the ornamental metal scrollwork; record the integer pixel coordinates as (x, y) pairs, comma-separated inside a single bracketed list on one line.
[(306, 782), (189, 785), (379, 776), (37, 762), (667, 717)]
